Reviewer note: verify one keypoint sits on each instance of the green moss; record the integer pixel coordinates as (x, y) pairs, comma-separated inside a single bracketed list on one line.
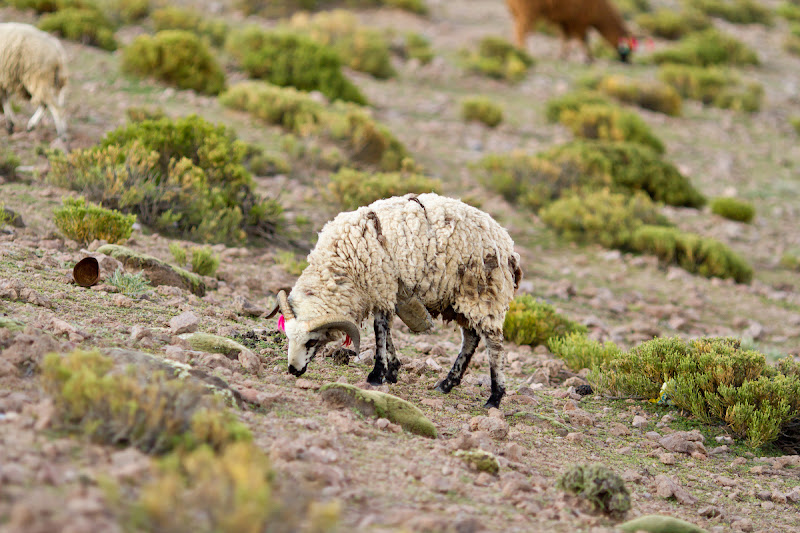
[(601, 487), (178, 18), (733, 209), (708, 47), (670, 24), (135, 408), (353, 188), (499, 59), (205, 342), (481, 109), (379, 404), (85, 222), (290, 59), (11, 324), (480, 460), (655, 523), (87, 26), (157, 271), (702, 255), (533, 322), (176, 57)]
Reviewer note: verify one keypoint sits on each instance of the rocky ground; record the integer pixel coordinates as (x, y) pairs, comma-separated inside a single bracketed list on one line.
[(385, 478)]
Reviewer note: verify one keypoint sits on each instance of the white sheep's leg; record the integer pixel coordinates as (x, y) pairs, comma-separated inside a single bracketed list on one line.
[(9, 113), (58, 118), (497, 361), (378, 374), (469, 342), (37, 116)]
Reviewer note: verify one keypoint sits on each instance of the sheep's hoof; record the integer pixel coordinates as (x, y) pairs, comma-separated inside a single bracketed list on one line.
[(492, 403), (444, 387), (374, 380)]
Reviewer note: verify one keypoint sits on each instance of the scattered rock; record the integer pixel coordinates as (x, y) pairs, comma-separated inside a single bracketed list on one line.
[(155, 270), (743, 524), (495, 427), (579, 417), (480, 460), (684, 442), (433, 403), (185, 322), (709, 511), (666, 487), (667, 458), (639, 422), (306, 384), (618, 429)]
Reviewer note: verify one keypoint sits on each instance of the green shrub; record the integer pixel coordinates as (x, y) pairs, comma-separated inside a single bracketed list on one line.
[(352, 188), (650, 95), (290, 263), (181, 177), (289, 59), (139, 114), (632, 7), (51, 6), (790, 10), (713, 86), (579, 352), (702, 255), (669, 24), (204, 261), (136, 408), (175, 57), (87, 26), (733, 209), (736, 11), (9, 161), (714, 379), (279, 8), (708, 47), (499, 59), (573, 101), (360, 48), (177, 18), (790, 261), (131, 285), (367, 142), (610, 123), (481, 109), (416, 46), (178, 253), (794, 121), (533, 322), (84, 222), (792, 42), (601, 217), (627, 167), (602, 488)]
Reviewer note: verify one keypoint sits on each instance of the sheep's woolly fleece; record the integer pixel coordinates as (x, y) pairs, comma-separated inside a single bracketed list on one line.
[(448, 253)]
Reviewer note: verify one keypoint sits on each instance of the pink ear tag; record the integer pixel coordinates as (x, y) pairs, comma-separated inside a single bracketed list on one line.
[(282, 324), (347, 340)]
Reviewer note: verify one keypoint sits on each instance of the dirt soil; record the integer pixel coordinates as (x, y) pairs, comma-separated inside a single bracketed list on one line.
[(389, 480)]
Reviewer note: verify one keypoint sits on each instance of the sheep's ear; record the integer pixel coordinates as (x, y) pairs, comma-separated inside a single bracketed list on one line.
[(340, 323)]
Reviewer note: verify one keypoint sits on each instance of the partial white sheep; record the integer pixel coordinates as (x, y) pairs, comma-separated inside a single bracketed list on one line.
[(33, 65), (415, 256)]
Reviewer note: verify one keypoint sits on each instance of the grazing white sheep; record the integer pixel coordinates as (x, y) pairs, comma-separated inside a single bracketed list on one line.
[(33, 65), (415, 256)]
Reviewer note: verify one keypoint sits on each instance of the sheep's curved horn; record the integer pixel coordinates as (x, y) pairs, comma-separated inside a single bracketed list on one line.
[(283, 305), (338, 322)]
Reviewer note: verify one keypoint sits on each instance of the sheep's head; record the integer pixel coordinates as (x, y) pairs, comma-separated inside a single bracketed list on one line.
[(307, 337)]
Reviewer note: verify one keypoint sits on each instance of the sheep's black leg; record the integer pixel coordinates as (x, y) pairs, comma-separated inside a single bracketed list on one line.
[(378, 374), (393, 364), (469, 342), (497, 360), (9, 114)]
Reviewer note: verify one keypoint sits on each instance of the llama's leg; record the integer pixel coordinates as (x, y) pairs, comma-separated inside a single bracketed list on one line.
[(378, 374), (392, 363), (522, 26), (497, 361), (587, 49), (469, 342), (9, 114), (37, 116)]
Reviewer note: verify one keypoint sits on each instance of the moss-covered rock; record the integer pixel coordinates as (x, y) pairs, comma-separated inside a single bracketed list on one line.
[(601, 487), (206, 342), (11, 324), (654, 523), (157, 271), (480, 460), (379, 404)]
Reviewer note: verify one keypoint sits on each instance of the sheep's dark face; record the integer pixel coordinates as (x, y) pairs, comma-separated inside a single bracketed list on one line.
[(304, 344)]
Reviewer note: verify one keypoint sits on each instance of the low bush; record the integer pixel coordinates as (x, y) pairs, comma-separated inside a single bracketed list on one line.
[(204, 261), (178, 253), (289, 59), (353, 188), (481, 109), (610, 123), (714, 379), (602, 488), (176, 57), (713, 86), (579, 352), (366, 141), (672, 25), (360, 48), (86, 26), (790, 261), (792, 41), (573, 101), (694, 253), (736, 11), (280, 8), (794, 121), (533, 322), (9, 161), (290, 263), (601, 217), (652, 95), (183, 177), (416, 46), (142, 113), (136, 408), (707, 47), (178, 18), (499, 59), (131, 285), (733, 209), (86, 222), (790, 10), (631, 7)]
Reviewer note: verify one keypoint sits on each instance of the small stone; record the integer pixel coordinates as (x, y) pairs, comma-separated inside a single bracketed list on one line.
[(619, 430), (767, 506), (185, 322), (433, 365), (667, 487), (745, 524), (302, 383), (652, 435), (484, 479), (576, 437), (514, 452), (120, 300), (709, 511), (382, 423), (433, 403), (579, 417), (639, 422), (724, 439), (777, 497), (738, 461), (667, 458)]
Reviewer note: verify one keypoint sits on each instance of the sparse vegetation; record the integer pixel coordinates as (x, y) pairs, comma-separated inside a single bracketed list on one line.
[(713, 86), (670, 24), (481, 109), (135, 408), (353, 188), (290, 263), (87, 26), (708, 47), (178, 253), (499, 59), (278, 8), (534, 322), (178, 18), (9, 161), (176, 57), (290, 59), (417, 46), (733, 209), (736, 11), (610, 123), (131, 285), (204, 261), (602, 488), (579, 352), (85, 222), (650, 95)]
